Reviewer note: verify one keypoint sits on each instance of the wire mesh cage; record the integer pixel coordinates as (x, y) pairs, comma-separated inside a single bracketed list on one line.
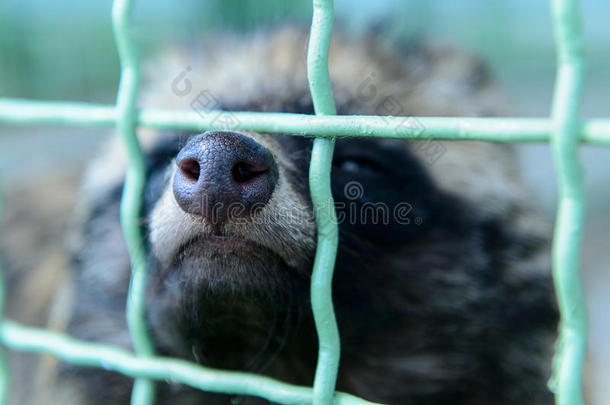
[(563, 130)]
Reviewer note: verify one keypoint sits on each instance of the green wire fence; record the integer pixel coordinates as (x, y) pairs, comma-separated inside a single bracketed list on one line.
[(564, 131)]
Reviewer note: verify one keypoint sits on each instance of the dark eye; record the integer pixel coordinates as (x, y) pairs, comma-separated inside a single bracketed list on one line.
[(357, 164)]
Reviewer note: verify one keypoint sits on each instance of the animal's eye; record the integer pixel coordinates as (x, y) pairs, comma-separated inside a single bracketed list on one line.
[(357, 164)]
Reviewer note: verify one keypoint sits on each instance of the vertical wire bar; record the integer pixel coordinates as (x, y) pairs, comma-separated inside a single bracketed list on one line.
[(327, 230), (143, 392), (4, 371), (572, 342)]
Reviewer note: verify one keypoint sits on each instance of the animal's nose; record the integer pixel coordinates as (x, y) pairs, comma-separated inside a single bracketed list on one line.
[(223, 175)]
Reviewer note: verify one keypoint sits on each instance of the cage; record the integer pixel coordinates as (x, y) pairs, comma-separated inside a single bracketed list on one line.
[(563, 130)]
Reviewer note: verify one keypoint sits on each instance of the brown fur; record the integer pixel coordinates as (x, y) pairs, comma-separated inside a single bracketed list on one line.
[(478, 180)]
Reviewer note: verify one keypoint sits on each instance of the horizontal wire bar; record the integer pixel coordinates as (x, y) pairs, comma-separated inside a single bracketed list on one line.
[(109, 357), (17, 111)]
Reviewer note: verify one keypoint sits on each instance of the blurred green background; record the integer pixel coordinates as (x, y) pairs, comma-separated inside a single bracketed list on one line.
[(64, 50)]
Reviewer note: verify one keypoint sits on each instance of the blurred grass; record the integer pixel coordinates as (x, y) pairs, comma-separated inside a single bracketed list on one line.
[(49, 57), (65, 50)]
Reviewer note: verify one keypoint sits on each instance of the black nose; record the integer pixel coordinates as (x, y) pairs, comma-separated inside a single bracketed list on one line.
[(223, 175)]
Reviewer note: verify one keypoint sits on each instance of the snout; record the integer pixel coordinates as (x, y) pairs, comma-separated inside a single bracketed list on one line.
[(223, 175)]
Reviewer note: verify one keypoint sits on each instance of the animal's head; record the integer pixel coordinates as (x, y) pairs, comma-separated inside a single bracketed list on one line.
[(432, 234)]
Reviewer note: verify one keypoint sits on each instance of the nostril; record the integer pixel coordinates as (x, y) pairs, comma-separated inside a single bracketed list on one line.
[(190, 169), (243, 172)]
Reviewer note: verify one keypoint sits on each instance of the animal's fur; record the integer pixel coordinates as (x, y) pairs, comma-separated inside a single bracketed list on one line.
[(455, 307)]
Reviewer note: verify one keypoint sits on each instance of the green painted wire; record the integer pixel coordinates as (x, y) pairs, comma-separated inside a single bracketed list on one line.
[(20, 112), (564, 130), (5, 375), (329, 345), (143, 392), (113, 358), (567, 380)]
